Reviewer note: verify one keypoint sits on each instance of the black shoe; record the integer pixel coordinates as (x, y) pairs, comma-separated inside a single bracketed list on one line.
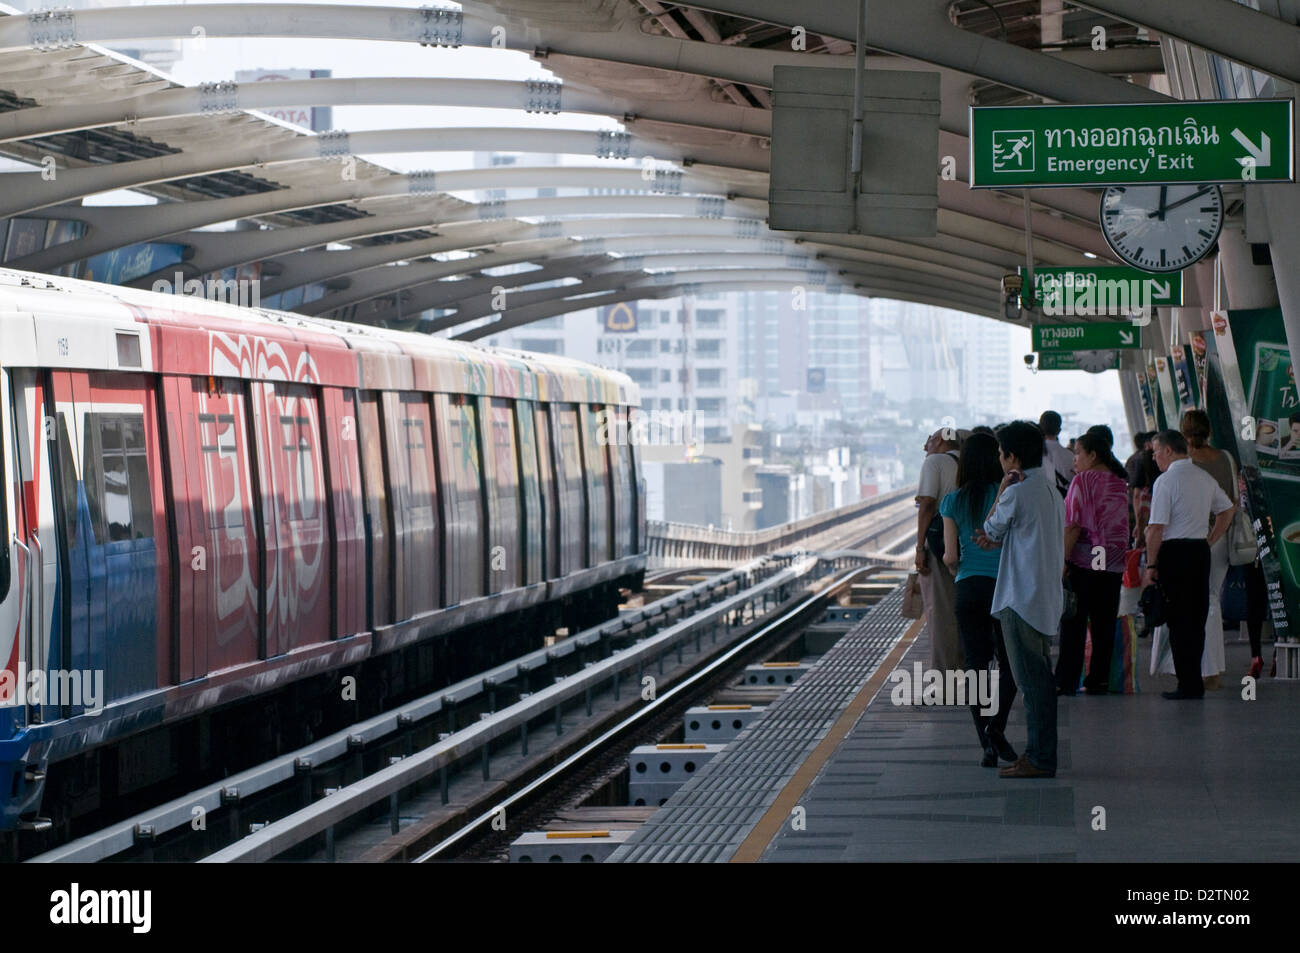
[(1097, 690), (1063, 691), (1180, 696), (990, 759), (1000, 744)]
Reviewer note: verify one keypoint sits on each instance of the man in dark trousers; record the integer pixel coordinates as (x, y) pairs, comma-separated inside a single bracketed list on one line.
[(1183, 500)]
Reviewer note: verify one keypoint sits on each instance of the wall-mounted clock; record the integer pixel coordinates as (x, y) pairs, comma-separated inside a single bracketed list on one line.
[(1161, 227), (1094, 362)]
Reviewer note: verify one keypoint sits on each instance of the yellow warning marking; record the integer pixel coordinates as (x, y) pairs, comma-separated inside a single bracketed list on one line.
[(762, 834), (679, 747), (730, 707), (781, 665), (574, 835)]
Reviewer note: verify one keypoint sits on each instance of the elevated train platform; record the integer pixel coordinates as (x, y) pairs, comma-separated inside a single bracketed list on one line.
[(835, 771)]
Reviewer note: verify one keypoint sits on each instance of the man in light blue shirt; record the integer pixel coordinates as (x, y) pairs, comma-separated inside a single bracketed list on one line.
[(1028, 521)]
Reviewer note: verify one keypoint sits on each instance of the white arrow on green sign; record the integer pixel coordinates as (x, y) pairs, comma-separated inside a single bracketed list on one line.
[(1132, 143), (1104, 289), (1093, 336), (1067, 361)]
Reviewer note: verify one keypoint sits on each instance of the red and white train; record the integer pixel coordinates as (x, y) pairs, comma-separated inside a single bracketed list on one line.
[(203, 504)]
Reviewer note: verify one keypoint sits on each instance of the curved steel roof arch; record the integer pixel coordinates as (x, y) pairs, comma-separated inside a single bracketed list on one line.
[(27, 191), (149, 222)]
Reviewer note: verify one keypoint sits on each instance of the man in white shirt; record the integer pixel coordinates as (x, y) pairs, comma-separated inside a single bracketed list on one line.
[(1178, 553), (1055, 457)]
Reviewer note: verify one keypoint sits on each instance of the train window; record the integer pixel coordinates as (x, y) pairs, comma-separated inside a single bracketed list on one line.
[(128, 349), (117, 477), (219, 443)]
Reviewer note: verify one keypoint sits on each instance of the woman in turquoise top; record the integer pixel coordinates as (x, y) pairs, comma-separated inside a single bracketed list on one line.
[(978, 474)]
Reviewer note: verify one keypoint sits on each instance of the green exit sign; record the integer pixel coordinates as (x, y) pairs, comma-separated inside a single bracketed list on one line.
[(1132, 144), (1070, 361), (1094, 336), (1104, 289)]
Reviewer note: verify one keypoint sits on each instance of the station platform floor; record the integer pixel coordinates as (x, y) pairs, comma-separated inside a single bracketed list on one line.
[(1140, 778)]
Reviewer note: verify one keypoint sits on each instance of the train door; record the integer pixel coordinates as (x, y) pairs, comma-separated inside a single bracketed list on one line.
[(216, 526), (30, 633), (506, 555), (408, 433), (291, 481), (115, 531), (530, 485), (462, 498), (550, 493)]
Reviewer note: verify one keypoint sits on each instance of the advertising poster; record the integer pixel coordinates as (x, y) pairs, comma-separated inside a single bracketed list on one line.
[(1201, 362), (1183, 380), (1168, 396), (1264, 414), (1153, 386), (1148, 406)]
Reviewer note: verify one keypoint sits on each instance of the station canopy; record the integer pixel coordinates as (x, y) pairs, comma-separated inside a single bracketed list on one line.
[(676, 194)]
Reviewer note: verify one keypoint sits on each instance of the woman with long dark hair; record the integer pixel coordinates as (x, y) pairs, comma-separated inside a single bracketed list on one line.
[(1096, 538), (976, 571)]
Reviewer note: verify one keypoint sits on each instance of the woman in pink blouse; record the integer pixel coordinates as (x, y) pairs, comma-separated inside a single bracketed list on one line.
[(1096, 536)]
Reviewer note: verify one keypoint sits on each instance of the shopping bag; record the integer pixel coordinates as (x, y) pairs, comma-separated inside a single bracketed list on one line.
[(1162, 652), (1132, 569), (913, 604), (1123, 661)]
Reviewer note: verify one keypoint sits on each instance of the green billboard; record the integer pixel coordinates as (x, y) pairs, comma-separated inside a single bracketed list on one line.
[(1131, 144)]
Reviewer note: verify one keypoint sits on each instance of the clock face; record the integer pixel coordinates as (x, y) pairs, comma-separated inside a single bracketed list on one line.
[(1162, 227), (1095, 362)]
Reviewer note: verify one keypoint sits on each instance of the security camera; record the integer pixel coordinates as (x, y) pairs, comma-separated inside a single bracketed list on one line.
[(1012, 285), (1029, 359)]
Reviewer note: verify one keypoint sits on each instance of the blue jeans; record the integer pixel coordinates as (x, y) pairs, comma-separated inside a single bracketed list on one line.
[(1030, 654)]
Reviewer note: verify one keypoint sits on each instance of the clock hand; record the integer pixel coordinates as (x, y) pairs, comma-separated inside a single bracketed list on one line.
[(1160, 212), (1194, 195)]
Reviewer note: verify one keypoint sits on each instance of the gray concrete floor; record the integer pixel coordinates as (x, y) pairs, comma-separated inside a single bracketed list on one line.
[(1216, 780)]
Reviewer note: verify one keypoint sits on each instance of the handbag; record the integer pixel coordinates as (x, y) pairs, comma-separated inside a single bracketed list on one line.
[(1153, 606), (913, 604), (1242, 545)]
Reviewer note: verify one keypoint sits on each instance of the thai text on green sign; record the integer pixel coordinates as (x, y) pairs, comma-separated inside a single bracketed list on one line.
[(1104, 289), (1095, 336), (1132, 144), (1067, 361)]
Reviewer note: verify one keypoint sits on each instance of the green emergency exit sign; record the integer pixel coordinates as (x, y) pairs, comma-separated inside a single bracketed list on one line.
[(1132, 144)]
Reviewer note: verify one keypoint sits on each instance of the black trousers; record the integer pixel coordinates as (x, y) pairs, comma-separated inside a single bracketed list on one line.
[(1097, 595), (981, 642), (1184, 570)]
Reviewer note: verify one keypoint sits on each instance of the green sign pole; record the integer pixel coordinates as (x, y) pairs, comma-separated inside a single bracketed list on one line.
[(1132, 144), (1095, 336)]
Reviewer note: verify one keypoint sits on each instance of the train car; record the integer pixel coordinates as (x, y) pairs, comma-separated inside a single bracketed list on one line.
[(203, 504)]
